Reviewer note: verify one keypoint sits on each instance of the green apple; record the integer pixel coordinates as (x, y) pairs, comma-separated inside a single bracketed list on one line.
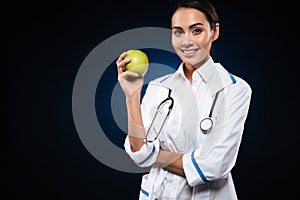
[(139, 61)]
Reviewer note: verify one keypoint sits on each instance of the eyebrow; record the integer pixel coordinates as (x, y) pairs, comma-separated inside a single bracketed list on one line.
[(190, 27)]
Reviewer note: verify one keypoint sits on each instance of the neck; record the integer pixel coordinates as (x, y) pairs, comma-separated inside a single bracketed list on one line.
[(189, 69)]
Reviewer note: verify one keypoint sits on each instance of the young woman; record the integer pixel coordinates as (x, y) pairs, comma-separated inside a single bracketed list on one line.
[(189, 125)]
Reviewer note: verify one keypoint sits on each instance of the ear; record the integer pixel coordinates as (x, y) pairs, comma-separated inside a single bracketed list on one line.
[(216, 32)]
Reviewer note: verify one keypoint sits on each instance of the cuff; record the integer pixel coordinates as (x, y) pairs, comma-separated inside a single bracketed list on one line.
[(146, 156), (192, 169)]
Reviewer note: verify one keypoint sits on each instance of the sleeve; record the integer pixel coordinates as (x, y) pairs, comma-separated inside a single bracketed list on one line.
[(220, 160), (147, 155)]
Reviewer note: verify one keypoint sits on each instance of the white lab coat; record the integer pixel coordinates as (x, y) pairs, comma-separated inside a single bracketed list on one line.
[(208, 158)]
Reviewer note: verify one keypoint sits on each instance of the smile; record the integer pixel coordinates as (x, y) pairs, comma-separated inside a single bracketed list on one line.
[(189, 52)]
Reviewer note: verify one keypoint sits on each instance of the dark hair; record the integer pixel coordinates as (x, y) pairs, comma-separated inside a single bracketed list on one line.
[(203, 6)]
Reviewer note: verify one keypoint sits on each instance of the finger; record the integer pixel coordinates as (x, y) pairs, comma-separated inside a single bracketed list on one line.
[(120, 60), (132, 74), (129, 75), (121, 57), (121, 65)]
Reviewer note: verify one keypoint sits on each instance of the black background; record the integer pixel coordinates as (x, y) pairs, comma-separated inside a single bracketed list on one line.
[(45, 43)]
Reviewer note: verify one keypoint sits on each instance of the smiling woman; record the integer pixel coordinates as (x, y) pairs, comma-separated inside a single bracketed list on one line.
[(192, 41), (187, 161)]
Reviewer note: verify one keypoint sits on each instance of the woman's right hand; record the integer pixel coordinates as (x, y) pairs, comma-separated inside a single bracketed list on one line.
[(130, 82)]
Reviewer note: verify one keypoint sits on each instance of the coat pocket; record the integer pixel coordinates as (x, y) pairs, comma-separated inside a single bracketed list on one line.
[(146, 188)]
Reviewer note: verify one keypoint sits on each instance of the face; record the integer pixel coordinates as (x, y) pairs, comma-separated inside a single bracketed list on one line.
[(192, 36)]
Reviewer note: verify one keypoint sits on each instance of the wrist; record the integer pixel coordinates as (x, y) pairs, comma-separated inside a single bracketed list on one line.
[(135, 97)]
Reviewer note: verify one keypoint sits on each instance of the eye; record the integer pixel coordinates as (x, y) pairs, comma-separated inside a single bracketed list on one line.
[(177, 32), (197, 31)]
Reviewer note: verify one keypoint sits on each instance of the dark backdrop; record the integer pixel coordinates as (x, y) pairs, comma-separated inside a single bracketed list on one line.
[(45, 43)]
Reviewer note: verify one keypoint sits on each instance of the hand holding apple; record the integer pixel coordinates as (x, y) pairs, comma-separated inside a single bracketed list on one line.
[(130, 81)]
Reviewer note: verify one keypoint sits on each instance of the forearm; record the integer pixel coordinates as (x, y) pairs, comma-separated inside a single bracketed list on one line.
[(136, 131), (171, 161)]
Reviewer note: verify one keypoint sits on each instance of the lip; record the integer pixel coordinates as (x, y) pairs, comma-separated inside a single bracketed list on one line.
[(189, 52)]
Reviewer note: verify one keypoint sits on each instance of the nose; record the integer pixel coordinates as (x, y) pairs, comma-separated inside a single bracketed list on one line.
[(187, 41)]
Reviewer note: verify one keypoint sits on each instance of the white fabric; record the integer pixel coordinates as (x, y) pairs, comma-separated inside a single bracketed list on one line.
[(207, 169), (146, 156)]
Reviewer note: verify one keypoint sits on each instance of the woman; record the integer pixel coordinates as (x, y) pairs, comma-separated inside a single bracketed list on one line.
[(198, 141)]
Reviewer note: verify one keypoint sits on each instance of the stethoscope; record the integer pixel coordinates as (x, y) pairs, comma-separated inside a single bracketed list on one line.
[(206, 124), (158, 109)]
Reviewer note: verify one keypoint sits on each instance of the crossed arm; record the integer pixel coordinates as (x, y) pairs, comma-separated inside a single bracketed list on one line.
[(170, 161)]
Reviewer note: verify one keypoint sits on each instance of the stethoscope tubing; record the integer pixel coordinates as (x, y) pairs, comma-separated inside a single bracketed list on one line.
[(169, 98)]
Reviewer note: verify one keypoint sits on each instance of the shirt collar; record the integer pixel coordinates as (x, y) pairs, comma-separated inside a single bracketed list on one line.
[(205, 71), (180, 70)]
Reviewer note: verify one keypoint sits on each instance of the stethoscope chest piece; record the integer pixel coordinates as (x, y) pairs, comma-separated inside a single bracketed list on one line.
[(206, 124)]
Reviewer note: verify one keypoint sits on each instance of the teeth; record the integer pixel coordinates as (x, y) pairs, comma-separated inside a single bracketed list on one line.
[(189, 52)]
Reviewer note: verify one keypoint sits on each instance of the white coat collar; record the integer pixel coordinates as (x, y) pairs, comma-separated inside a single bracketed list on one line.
[(214, 75)]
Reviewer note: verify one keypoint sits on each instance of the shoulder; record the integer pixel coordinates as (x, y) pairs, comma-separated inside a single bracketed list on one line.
[(242, 83), (162, 79), (238, 83), (158, 84), (155, 90), (240, 90)]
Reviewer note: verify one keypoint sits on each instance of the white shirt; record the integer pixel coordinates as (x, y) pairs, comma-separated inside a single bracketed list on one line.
[(207, 176)]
